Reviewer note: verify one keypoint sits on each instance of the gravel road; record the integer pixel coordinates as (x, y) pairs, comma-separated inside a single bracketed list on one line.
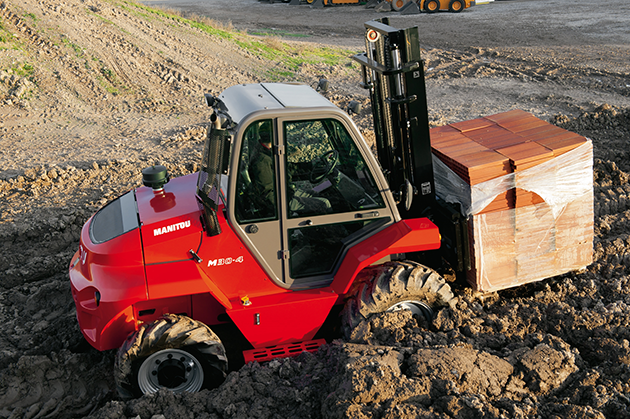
[(523, 23)]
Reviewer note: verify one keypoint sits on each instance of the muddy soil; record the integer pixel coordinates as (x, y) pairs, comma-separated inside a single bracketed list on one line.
[(113, 88)]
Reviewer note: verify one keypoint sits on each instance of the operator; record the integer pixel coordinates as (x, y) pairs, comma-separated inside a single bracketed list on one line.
[(261, 171), (301, 202)]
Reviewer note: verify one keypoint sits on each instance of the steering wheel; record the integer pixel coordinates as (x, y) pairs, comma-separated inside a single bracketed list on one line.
[(323, 166)]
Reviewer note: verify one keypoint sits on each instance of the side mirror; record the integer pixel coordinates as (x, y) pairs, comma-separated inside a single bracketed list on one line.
[(353, 107), (210, 100), (322, 85)]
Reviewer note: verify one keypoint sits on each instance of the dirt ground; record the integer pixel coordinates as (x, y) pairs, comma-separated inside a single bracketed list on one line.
[(92, 91)]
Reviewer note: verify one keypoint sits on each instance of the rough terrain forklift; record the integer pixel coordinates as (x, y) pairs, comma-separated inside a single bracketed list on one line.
[(290, 216), (404, 6), (453, 6)]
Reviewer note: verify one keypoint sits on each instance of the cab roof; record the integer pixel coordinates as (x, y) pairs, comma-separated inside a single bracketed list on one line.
[(244, 99)]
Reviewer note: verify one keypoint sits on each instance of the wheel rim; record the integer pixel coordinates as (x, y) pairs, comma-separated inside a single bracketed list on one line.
[(173, 369), (417, 308), (457, 6), (432, 6)]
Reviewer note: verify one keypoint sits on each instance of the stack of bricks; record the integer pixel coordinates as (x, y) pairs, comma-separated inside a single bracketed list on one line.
[(516, 161)]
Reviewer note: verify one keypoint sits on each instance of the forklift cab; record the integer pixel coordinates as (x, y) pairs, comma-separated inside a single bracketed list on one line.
[(303, 187)]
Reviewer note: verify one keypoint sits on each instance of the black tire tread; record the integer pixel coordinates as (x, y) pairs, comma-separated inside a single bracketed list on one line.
[(171, 331), (385, 285)]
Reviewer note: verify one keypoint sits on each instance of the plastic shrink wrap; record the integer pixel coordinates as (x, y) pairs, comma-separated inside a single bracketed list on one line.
[(526, 187)]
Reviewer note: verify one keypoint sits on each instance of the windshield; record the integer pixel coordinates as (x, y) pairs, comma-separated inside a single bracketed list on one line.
[(324, 163)]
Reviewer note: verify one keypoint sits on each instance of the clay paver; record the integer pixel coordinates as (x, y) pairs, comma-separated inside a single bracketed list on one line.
[(524, 153), (560, 144), (473, 124), (506, 116), (523, 124), (514, 141)]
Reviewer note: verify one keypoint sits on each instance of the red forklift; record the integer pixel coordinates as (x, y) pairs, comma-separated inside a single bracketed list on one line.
[(290, 218)]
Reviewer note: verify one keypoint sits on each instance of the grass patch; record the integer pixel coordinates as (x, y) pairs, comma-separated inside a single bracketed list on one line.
[(107, 85), (99, 17), (78, 50), (276, 32), (109, 80), (109, 74), (7, 40), (31, 16), (25, 69), (287, 59), (274, 43)]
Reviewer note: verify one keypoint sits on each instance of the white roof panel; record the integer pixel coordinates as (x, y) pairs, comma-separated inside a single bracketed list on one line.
[(243, 99)]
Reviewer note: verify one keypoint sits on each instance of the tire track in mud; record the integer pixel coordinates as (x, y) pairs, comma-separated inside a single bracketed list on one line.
[(33, 37), (125, 55), (118, 65), (520, 64)]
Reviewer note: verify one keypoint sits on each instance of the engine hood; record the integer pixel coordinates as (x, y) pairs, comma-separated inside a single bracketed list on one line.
[(170, 220)]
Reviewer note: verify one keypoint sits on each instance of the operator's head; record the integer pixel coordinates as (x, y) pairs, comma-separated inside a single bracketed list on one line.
[(264, 133)]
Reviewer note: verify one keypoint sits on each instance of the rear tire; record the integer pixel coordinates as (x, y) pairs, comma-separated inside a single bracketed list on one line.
[(456, 6), (175, 353), (393, 286)]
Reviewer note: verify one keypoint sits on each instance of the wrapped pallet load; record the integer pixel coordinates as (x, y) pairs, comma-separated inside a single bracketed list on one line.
[(526, 187)]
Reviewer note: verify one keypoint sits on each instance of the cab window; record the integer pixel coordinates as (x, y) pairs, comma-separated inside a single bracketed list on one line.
[(326, 173), (256, 198)]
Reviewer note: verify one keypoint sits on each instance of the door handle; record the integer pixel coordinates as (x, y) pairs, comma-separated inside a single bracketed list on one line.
[(370, 214), (195, 256)]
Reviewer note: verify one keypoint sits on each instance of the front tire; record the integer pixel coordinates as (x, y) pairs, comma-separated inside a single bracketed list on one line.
[(431, 6), (175, 353), (393, 286)]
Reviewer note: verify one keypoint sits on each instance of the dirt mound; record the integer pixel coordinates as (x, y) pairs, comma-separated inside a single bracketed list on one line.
[(83, 110)]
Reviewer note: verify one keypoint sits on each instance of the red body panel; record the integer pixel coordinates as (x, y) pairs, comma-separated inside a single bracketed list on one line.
[(150, 310), (230, 266), (115, 270), (413, 235), (174, 279), (206, 309), (171, 221), (283, 318)]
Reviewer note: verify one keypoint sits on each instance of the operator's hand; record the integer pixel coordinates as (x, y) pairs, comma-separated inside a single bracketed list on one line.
[(335, 177)]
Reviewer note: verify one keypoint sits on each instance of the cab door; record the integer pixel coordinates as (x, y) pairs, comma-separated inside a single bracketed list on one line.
[(255, 210)]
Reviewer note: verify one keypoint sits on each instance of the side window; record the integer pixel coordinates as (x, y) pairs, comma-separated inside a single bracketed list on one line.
[(326, 173), (315, 250), (256, 179)]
